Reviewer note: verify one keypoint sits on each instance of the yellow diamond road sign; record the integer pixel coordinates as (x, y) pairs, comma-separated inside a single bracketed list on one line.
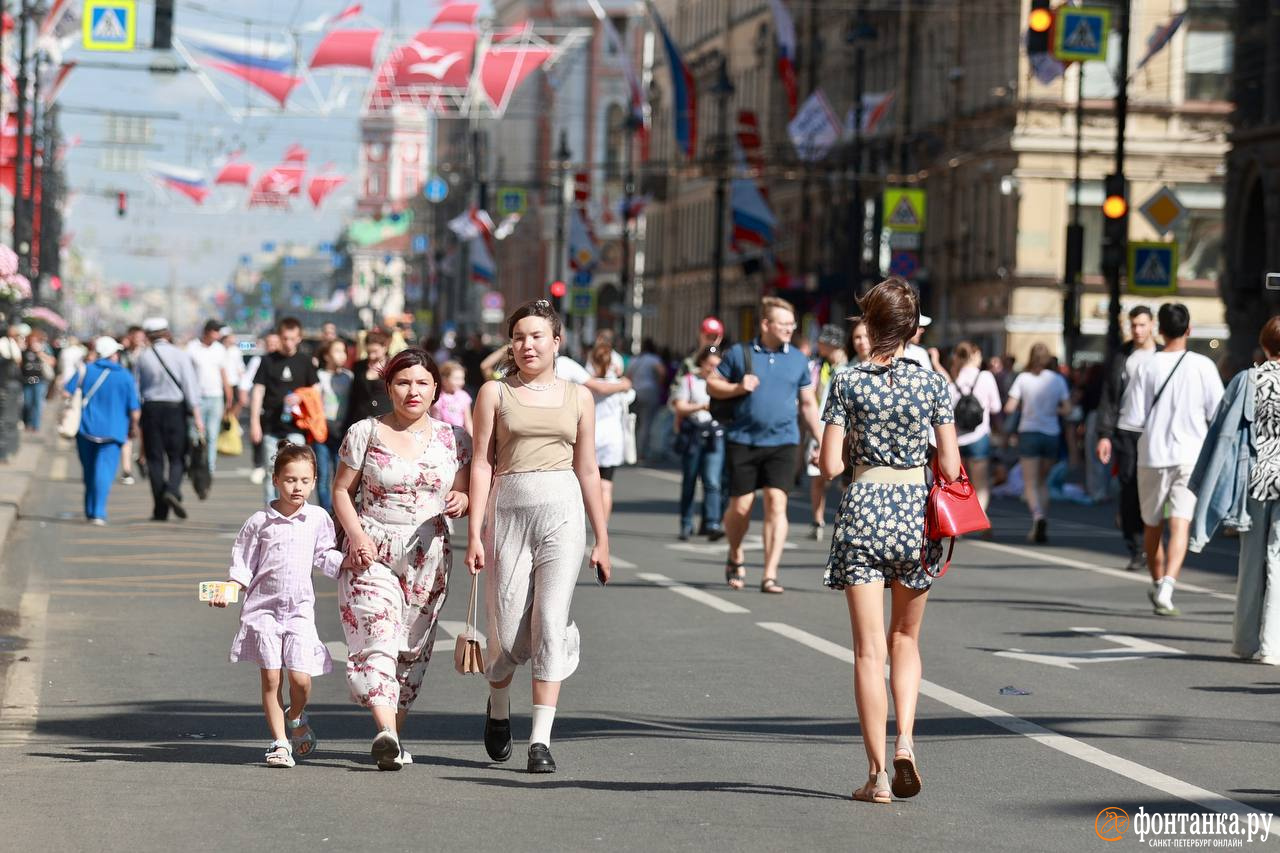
[(904, 210), (1163, 211), (110, 24)]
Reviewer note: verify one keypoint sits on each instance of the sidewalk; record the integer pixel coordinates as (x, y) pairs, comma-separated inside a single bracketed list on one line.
[(17, 475)]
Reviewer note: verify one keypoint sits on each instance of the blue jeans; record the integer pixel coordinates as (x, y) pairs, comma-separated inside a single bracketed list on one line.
[(703, 459), (99, 463), (326, 467), (33, 404), (211, 409)]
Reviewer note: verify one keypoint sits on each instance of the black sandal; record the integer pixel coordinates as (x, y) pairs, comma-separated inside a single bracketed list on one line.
[(735, 574), (771, 586)]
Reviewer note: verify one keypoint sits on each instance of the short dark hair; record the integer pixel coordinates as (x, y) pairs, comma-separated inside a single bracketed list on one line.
[(1138, 310), (288, 323), (412, 357), (891, 311), (212, 326), (1270, 337), (287, 451), (1174, 319)]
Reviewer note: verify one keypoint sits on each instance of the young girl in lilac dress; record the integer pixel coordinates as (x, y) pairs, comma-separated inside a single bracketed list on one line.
[(272, 560)]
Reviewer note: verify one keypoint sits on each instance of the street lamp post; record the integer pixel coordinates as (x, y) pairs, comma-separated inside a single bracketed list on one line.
[(562, 169), (20, 238), (723, 90), (630, 126), (1114, 248), (861, 32)]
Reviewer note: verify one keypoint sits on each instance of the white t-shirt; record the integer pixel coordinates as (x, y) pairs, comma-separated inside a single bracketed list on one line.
[(210, 362), (1136, 359), (570, 371), (692, 388), (918, 354), (1173, 431), (1041, 394), (982, 385), (234, 365)]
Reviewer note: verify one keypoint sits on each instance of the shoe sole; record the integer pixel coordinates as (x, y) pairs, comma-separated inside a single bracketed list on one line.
[(176, 505), (386, 752), (501, 757), (906, 778), (542, 768)]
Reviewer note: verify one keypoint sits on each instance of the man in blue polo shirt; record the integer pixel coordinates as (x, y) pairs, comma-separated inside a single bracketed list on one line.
[(772, 379)]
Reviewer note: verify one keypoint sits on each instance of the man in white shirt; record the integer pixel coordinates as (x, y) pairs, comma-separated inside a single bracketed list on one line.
[(1170, 399), (210, 358)]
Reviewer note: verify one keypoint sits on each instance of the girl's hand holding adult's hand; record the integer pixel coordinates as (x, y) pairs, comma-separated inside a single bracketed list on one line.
[(475, 555), (456, 504), (362, 552), (600, 557)]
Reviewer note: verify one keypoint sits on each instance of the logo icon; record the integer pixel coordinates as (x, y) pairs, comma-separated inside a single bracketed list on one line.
[(1111, 823)]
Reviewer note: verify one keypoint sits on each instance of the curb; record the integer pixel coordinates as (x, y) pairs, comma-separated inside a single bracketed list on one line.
[(18, 475)]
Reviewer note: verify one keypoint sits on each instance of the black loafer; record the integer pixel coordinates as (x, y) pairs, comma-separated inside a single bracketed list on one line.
[(497, 736), (540, 760), (175, 504)]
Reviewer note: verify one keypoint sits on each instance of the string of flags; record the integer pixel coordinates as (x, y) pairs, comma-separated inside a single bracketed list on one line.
[(273, 188)]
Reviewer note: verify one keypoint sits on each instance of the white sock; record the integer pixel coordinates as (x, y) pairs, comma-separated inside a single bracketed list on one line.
[(1164, 591), (499, 702), (543, 717)]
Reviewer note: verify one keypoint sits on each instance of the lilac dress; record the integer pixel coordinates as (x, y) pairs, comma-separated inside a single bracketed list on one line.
[(273, 558)]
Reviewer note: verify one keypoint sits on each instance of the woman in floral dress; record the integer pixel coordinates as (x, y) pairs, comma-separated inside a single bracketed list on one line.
[(878, 415), (400, 477)]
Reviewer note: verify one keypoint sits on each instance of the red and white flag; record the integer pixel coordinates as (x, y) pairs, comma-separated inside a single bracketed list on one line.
[(784, 29)]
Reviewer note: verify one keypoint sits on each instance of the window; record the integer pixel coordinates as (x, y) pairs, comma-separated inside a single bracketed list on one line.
[(615, 130), (1207, 56)]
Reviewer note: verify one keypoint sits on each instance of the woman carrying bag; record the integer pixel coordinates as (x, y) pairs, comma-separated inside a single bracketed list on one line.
[(700, 442), (109, 412)]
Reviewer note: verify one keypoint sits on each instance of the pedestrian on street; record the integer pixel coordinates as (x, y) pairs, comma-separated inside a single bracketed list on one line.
[(1171, 399), (11, 348), (831, 358), (772, 379), (454, 405), (648, 375), (1121, 445), (878, 417), (335, 393), (858, 346), (170, 393), (109, 414), (134, 342), (274, 555), (411, 474), (38, 370), (534, 470), (700, 441), (604, 365), (368, 392), (269, 343), (1041, 397), (975, 397), (710, 334), (210, 358), (274, 401)]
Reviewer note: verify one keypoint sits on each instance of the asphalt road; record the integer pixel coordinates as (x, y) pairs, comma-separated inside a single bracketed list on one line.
[(700, 718)]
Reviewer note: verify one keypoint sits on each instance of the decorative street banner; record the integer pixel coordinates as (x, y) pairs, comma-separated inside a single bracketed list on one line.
[(1153, 268), (110, 24), (904, 209)]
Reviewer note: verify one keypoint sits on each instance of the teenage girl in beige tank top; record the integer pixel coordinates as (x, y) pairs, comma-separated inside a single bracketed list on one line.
[(533, 471)]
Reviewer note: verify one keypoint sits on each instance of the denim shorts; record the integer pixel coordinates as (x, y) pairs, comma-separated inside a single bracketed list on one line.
[(980, 449), (1039, 445)]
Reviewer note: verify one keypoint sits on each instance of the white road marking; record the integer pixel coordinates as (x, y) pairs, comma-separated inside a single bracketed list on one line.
[(1045, 737), (619, 563), (750, 542), (692, 594), (58, 469), (22, 687), (669, 476), (1133, 577), (1125, 648)]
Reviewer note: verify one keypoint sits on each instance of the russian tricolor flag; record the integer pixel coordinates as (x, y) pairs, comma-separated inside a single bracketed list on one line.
[(685, 93), (785, 30), (189, 182)]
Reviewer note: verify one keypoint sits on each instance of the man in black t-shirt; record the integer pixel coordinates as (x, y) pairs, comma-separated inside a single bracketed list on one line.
[(279, 376)]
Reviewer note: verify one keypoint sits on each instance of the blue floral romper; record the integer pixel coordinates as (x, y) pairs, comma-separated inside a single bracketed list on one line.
[(886, 412)]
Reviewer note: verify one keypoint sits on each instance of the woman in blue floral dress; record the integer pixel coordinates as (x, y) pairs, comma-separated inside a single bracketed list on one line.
[(878, 416)]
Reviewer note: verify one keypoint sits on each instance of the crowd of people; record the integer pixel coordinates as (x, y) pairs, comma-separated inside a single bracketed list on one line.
[(397, 441)]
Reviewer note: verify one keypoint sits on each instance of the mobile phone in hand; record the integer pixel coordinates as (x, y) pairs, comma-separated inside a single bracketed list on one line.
[(600, 578)]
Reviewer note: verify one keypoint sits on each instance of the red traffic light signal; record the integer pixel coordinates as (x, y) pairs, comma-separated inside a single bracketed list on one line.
[(558, 289), (122, 204)]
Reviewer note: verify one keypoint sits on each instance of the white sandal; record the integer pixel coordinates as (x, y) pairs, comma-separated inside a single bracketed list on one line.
[(276, 758)]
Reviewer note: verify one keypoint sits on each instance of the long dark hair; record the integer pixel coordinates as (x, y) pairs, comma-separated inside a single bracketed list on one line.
[(412, 357), (534, 308)]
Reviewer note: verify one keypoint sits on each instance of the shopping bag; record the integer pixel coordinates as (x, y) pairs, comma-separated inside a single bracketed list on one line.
[(230, 440)]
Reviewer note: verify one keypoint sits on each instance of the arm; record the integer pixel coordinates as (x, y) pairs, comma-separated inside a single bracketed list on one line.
[(458, 501), (486, 414), (809, 411), (607, 387), (326, 558), (584, 465), (360, 548), (468, 422), (255, 413), (831, 456), (948, 450), (244, 558), (722, 389), (493, 359)]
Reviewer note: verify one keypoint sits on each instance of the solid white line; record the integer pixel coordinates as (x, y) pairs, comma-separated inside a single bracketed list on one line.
[(1133, 577), (22, 687), (1046, 737), (619, 563), (693, 594), (669, 476)]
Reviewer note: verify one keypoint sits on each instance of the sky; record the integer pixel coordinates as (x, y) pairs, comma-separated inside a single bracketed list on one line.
[(164, 231)]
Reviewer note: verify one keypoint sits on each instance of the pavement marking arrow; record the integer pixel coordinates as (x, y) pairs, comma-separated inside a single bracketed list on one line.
[(1125, 648), (692, 594)]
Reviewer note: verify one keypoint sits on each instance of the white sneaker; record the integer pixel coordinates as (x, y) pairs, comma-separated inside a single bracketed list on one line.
[(1163, 601), (257, 475), (127, 480), (405, 757), (98, 522)]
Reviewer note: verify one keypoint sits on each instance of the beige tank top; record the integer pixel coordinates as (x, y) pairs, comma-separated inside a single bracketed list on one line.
[(535, 438)]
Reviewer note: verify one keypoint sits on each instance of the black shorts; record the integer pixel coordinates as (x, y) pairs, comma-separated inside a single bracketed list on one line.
[(752, 468), (606, 472)]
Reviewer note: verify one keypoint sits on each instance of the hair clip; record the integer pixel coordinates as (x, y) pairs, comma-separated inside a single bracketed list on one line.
[(542, 303)]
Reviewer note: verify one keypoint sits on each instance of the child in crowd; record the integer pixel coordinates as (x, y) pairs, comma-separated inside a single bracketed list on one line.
[(272, 560), (454, 405)]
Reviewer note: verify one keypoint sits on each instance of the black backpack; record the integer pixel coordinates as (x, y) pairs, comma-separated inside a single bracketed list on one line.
[(969, 410), (724, 411)]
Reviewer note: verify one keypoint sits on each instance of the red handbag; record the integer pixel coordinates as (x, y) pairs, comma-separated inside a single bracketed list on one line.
[(952, 510)]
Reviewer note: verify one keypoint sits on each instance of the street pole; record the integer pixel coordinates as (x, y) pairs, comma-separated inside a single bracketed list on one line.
[(562, 166), (1075, 240), (628, 189), (723, 90), (857, 216), (19, 177), (1114, 256), (29, 199)]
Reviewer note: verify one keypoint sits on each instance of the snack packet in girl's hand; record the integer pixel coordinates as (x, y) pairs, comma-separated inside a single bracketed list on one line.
[(230, 591)]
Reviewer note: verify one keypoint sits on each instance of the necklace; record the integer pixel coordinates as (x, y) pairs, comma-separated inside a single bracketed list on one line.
[(418, 435), (534, 386)]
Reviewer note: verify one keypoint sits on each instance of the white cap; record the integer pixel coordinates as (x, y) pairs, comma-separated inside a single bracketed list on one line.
[(106, 346), (925, 320), (226, 330), (154, 324)]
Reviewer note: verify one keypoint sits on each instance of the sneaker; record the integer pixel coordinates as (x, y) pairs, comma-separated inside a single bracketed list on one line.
[(405, 758), (386, 750), (816, 531), (1269, 660), (127, 480), (257, 476), (1137, 563), (98, 522), (1162, 601)]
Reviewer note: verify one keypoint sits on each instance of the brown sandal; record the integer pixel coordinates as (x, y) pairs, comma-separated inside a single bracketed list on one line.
[(771, 586), (906, 776), (735, 574), (876, 790)]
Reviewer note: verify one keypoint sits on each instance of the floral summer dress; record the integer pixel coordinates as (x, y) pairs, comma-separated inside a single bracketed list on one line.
[(389, 610), (886, 412)]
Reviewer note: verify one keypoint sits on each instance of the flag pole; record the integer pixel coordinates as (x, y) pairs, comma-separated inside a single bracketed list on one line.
[(723, 90)]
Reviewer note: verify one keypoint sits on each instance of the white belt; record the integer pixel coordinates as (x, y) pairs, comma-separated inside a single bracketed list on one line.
[(887, 475)]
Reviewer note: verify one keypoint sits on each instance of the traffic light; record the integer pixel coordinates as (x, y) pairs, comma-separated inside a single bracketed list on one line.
[(1115, 228), (558, 290), (122, 204), (1039, 25), (162, 29)]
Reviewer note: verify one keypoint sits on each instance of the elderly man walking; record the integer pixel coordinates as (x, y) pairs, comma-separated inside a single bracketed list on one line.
[(170, 392), (769, 380)]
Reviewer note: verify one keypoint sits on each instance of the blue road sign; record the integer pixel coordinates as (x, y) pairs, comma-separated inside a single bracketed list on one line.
[(1080, 34), (582, 277), (1153, 268), (436, 190), (420, 244)]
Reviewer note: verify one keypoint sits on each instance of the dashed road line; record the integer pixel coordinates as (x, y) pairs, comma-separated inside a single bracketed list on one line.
[(712, 601), (1046, 737)]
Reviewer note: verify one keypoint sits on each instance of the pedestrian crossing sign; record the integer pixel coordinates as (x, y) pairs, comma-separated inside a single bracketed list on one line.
[(904, 210), (110, 25), (1153, 268), (1080, 33)]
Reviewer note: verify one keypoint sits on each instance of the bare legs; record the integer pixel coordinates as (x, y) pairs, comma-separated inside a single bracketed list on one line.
[(979, 475), (272, 706), (737, 518), (870, 650)]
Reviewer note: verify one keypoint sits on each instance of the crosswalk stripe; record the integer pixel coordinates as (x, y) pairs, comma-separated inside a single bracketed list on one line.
[(692, 594)]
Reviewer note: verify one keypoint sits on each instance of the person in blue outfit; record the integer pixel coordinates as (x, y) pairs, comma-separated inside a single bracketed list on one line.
[(769, 380), (878, 416), (109, 415)]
